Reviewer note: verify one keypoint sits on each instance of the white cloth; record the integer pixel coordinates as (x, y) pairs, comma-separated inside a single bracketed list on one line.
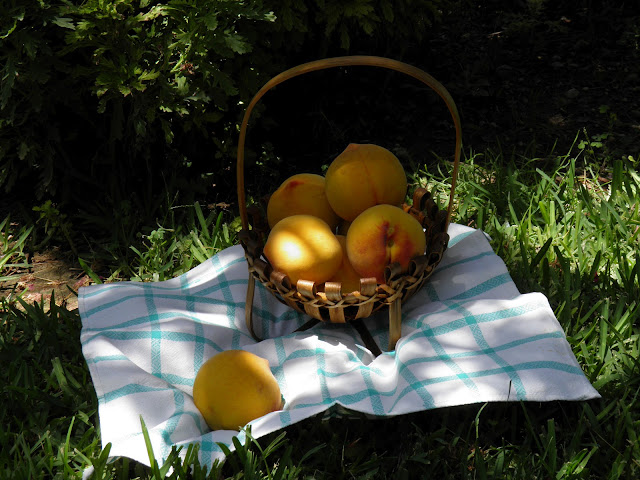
[(468, 336)]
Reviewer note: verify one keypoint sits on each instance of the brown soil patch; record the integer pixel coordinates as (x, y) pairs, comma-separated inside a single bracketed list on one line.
[(50, 276)]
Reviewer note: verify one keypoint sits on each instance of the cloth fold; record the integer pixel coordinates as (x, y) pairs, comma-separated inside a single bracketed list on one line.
[(468, 336)]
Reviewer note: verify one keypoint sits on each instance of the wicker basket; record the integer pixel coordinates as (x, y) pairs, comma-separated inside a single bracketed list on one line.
[(326, 303)]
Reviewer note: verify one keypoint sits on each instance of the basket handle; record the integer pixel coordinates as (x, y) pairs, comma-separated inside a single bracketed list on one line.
[(360, 60)]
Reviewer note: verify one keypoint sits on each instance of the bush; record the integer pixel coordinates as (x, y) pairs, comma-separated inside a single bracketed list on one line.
[(106, 107), (33, 90), (115, 86)]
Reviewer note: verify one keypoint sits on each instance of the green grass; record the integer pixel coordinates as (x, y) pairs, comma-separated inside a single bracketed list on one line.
[(12, 249), (567, 226)]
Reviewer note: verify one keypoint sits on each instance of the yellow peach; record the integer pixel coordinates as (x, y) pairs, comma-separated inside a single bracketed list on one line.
[(362, 176), (346, 275), (381, 235), (235, 387), (302, 193), (304, 248)]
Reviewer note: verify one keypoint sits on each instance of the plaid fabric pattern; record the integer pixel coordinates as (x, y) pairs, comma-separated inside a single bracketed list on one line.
[(468, 336)]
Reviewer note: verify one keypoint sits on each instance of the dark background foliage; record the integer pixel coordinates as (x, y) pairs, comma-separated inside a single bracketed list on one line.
[(107, 107), (111, 112)]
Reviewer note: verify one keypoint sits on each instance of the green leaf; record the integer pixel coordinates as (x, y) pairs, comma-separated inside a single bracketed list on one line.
[(211, 21), (201, 220), (64, 22), (155, 12), (124, 90), (147, 441), (16, 19), (237, 43), (23, 150), (387, 11), (146, 75), (540, 255), (87, 269), (225, 83)]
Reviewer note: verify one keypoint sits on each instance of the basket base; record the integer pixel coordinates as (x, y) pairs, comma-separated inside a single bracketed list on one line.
[(395, 323)]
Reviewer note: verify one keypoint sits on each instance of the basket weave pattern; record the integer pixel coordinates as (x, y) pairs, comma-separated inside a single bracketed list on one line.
[(326, 302)]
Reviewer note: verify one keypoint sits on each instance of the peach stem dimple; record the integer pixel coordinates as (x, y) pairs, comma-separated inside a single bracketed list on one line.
[(351, 146)]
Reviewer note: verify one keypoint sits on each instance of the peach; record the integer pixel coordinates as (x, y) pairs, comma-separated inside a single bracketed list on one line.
[(381, 235), (234, 387), (362, 176), (305, 248), (303, 193), (346, 275)]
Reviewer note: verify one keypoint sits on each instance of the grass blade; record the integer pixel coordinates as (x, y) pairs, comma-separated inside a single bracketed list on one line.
[(87, 269)]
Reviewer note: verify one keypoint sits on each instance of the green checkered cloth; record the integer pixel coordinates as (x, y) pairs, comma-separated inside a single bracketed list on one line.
[(468, 336)]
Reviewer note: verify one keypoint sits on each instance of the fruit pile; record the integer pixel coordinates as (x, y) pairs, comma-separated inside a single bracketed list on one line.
[(346, 225)]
